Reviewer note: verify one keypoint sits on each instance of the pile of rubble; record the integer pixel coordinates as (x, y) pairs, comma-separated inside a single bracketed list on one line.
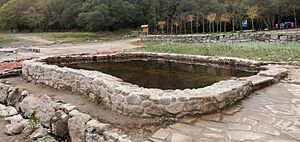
[(41, 118)]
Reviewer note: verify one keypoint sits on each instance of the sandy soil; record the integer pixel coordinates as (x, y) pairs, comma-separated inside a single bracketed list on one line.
[(4, 137)]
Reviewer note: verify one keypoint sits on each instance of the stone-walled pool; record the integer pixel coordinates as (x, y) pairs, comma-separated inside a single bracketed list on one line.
[(129, 97)]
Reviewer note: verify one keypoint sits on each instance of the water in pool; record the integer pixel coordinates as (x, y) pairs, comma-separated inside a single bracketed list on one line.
[(163, 74)]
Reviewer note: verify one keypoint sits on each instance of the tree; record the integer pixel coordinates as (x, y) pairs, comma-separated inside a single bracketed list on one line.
[(252, 13), (294, 6), (211, 18), (97, 19), (95, 15), (235, 9), (176, 24), (191, 18), (33, 18), (11, 13), (153, 4), (226, 18), (161, 26), (70, 14), (269, 11)]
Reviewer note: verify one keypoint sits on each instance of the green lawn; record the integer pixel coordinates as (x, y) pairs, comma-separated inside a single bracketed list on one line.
[(249, 50)]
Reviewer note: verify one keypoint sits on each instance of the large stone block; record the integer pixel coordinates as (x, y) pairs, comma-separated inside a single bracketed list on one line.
[(77, 125), (43, 107), (59, 124)]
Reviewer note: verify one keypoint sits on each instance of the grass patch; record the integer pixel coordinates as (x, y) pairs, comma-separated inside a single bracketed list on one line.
[(245, 32), (83, 37), (69, 37), (264, 51), (10, 40), (135, 43)]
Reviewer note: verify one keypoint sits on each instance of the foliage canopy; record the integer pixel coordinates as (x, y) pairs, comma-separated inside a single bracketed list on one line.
[(184, 16)]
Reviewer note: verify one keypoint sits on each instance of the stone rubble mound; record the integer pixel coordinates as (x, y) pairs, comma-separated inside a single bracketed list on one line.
[(41, 118)]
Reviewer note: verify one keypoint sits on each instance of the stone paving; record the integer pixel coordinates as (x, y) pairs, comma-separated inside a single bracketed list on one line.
[(268, 115)]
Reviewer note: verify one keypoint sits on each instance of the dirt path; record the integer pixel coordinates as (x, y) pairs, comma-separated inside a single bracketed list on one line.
[(87, 48), (138, 128), (33, 38), (63, 49)]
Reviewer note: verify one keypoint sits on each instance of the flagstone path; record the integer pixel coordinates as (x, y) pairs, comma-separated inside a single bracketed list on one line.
[(268, 115)]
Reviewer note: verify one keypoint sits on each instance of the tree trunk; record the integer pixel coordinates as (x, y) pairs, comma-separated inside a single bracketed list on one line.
[(172, 25), (295, 18), (184, 25), (252, 24), (203, 25), (225, 27), (217, 26), (241, 21), (213, 26), (191, 27), (167, 26), (233, 26), (180, 25), (220, 26), (197, 24), (155, 26), (270, 21), (266, 23)]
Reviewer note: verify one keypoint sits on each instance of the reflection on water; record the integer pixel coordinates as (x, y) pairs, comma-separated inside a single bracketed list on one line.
[(163, 74)]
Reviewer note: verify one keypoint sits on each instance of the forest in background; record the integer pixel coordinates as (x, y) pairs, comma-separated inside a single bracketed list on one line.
[(163, 16)]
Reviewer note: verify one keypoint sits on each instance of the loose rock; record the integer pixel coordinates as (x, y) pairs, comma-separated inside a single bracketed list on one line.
[(16, 128), (94, 125), (93, 138), (76, 126), (39, 133), (59, 124), (7, 111), (42, 106), (14, 119)]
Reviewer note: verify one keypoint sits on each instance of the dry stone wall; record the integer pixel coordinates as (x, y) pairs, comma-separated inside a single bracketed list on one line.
[(242, 37), (126, 98)]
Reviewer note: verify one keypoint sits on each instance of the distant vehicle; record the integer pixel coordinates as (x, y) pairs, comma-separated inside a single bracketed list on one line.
[(14, 30), (244, 24), (287, 25)]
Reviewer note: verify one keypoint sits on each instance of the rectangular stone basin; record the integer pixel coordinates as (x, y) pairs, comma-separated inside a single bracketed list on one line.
[(148, 84), (163, 74)]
